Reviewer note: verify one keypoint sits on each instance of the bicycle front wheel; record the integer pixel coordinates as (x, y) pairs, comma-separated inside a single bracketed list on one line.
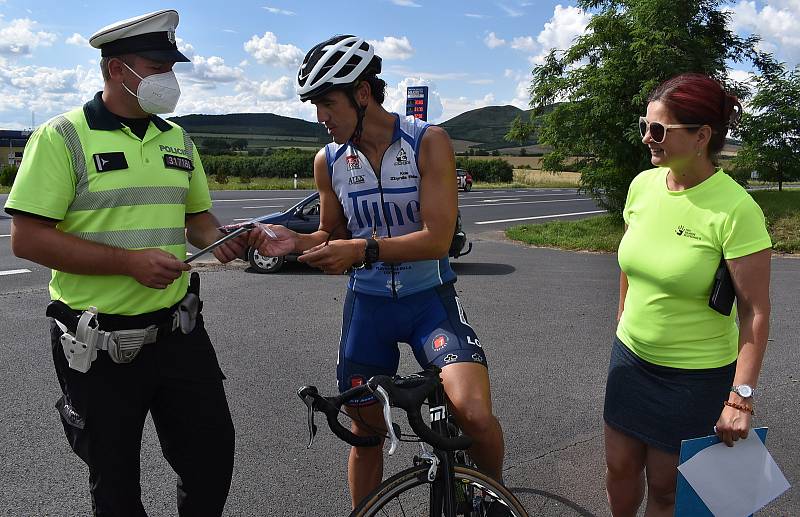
[(407, 494)]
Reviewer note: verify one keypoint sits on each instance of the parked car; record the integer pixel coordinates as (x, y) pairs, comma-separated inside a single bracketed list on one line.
[(464, 180), (303, 217)]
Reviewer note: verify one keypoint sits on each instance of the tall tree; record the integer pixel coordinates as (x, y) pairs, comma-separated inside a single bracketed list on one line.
[(604, 78), (771, 132)]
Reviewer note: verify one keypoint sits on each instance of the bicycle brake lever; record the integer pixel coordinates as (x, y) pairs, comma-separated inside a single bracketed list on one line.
[(312, 427), (381, 395)]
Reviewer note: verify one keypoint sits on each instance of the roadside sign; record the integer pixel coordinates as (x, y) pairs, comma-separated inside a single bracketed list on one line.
[(417, 101)]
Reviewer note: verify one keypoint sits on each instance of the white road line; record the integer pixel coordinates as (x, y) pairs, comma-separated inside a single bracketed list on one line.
[(487, 196), (484, 205), (539, 217), (495, 200), (265, 206), (245, 219), (255, 199), (5, 235), (14, 272)]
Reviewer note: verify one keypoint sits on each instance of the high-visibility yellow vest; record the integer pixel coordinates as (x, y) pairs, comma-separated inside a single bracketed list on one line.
[(104, 184)]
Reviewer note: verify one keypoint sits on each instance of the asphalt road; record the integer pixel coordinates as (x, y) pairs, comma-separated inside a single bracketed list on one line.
[(545, 318)]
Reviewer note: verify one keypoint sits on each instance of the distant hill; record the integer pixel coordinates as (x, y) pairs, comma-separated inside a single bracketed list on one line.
[(486, 125), (262, 124), (482, 127)]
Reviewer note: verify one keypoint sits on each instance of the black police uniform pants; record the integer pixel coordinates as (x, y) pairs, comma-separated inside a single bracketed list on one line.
[(178, 380)]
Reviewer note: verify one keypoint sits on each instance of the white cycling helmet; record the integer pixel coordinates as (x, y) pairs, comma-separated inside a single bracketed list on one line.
[(336, 63)]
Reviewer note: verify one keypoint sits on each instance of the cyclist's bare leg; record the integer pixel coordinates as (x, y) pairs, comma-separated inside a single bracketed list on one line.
[(365, 465), (467, 387)]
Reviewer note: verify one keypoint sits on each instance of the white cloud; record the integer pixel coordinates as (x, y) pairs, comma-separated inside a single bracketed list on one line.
[(20, 38), (279, 89), (393, 48), (267, 51), (492, 41), (243, 63), (433, 76), (776, 22), (481, 81), (526, 43), (458, 105), (566, 24), (275, 10), (77, 40), (475, 15), (406, 3), (510, 11), (211, 70)]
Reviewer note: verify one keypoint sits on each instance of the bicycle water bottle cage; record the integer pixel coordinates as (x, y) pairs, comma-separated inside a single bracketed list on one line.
[(81, 349)]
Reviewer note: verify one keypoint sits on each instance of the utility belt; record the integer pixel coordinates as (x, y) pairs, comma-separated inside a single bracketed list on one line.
[(82, 336)]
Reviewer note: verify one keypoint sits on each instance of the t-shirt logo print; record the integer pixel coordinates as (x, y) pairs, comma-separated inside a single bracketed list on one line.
[(683, 231)]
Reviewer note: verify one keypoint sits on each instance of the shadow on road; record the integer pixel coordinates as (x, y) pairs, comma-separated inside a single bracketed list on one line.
[(549, 495), (482, 268)]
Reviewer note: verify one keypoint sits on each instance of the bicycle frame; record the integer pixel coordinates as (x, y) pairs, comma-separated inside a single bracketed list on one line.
[(442, 493)]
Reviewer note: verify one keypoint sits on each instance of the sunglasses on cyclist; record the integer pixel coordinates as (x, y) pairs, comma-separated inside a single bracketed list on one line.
[(658, 131)]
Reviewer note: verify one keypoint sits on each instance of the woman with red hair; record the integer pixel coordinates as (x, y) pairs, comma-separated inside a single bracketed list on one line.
[(680, 369)]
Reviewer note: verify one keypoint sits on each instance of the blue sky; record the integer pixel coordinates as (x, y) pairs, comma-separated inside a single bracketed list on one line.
[(471, 54)]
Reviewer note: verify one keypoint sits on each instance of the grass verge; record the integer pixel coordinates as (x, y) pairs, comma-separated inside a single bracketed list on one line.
[(235, 183), (603, 233)]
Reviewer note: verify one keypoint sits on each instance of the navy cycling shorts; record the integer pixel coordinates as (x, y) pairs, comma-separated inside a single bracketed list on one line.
[(432, 322)]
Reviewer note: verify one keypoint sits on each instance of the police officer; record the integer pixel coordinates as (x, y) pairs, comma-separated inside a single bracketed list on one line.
[(107, 196)]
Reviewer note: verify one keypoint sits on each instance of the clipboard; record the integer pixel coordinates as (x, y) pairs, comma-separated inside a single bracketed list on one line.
[(687, 502)]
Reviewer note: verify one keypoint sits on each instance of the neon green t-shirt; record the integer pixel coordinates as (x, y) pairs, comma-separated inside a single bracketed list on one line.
[(103, 184), (670, 253)]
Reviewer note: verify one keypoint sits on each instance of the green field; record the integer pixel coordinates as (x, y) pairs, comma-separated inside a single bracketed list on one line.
[(603, 233)]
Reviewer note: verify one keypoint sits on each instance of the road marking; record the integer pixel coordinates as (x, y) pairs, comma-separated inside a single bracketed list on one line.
[(265, 206), (255, 199), (245, 219), (484, 205), (14, 272), (495, 200), (5, 235), (539, 217)]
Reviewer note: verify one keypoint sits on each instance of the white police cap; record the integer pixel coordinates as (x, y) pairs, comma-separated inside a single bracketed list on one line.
[(150, 35)]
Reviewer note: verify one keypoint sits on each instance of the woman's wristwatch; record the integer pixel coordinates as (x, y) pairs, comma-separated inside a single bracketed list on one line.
[(743, 390)]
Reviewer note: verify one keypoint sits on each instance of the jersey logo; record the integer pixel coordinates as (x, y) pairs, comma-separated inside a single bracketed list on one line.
[(356, 180), (352, 162), (401, 158), (105, 162), (178, 162), (682, 231)]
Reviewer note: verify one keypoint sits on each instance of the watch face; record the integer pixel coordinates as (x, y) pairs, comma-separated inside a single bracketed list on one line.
[(744, 390)]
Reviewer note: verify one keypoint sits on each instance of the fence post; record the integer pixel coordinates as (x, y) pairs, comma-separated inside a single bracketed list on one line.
[(295, 181)]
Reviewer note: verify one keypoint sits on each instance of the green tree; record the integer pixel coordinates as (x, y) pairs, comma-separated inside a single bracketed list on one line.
[(602, 81), (771, 133), (520, 131), (240, 144)]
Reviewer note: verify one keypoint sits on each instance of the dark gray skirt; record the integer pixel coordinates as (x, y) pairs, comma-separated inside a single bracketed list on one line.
[(660, 405)]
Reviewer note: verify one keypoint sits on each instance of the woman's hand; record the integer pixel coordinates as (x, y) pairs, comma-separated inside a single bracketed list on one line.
[(733, 424)]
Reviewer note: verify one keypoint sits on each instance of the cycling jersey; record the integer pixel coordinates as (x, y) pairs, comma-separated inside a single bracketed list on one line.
[(386, 204)]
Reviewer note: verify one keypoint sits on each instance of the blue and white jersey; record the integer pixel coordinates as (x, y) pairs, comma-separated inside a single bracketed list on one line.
[(387, 205)]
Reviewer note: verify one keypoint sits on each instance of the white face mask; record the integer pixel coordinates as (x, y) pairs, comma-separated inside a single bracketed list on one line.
[(157, 93)]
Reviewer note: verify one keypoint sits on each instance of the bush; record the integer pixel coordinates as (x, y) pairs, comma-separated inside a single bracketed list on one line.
[(278, 163), (495, 170), (7, 175)]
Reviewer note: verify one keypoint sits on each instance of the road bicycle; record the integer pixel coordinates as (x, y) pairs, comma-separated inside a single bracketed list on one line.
[(442, 482)]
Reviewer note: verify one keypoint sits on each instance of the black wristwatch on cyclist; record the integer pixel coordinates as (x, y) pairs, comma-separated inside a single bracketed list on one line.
[(371, 253)]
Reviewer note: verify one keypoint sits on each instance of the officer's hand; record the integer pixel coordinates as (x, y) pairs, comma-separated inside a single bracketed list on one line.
[(335, 257), (284, 242), (732, 425), (155, 268), (232, 249)]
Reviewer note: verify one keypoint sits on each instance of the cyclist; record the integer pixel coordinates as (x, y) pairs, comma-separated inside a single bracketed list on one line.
[(107, 196), (388, 209)]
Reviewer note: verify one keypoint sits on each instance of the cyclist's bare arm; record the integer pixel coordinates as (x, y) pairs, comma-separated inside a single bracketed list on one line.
[(332, 222)]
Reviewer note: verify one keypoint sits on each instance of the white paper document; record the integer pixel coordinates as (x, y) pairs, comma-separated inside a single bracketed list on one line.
[(735, 481)]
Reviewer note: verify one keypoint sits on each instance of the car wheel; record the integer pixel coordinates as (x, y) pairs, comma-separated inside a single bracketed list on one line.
[(264, 264), (467, 187)]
